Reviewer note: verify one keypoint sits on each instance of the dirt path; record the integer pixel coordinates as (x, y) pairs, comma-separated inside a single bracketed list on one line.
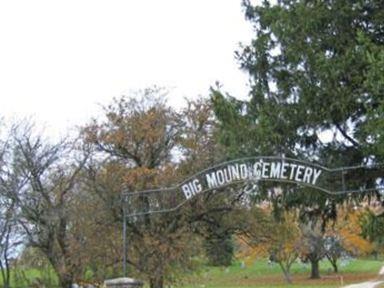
[(370, 284)]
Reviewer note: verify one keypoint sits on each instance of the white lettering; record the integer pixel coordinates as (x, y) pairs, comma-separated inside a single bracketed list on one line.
[(211, 180), (275, 169), (187, 192), (243, 171), (307, 175), (293, 168), (235, 172), (265, 170), (316, 175), (284, 170), (299, 172), (192, 188), (220, 177), (227, 175), (256, 170), (197, 186)]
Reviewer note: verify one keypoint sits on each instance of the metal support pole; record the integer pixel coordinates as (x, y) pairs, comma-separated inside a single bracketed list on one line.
[(343, 172), (125, 247)]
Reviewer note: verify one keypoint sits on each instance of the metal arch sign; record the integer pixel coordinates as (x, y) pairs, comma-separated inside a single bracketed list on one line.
[(274, 169), (260, 169)]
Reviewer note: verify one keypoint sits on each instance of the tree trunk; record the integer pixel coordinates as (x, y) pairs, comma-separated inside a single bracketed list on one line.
[(333, 261), (157, 282), (315, 271), (65, 280), (5, 273), (58, 262), (335, 268), (286, 272)]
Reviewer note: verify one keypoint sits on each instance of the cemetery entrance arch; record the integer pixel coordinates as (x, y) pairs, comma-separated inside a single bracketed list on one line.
[(333, 181)]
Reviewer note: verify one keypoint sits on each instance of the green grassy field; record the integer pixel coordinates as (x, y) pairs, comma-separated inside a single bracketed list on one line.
[(258, 275), (31, 278), (261, 275)]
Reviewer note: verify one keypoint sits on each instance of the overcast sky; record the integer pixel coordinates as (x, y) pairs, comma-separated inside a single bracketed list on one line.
[(59, 60)]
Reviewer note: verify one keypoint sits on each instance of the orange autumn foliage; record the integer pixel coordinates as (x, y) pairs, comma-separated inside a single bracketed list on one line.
[(348, 229)]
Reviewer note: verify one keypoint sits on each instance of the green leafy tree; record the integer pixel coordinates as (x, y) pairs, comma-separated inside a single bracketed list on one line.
[(372, 229), (201, 150), (316, 94)]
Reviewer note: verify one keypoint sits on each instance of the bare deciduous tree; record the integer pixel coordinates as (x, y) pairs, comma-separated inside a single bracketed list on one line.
[(45, 177), (10, 236)]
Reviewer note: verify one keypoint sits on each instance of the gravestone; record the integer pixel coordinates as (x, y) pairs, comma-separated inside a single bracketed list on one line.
[(123, 283)]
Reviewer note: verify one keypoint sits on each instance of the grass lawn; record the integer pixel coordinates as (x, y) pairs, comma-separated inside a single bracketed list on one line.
[(30, 277), (261, 275)]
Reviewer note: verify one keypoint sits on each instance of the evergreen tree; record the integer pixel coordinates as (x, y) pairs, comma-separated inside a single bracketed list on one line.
[(316, 94)]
